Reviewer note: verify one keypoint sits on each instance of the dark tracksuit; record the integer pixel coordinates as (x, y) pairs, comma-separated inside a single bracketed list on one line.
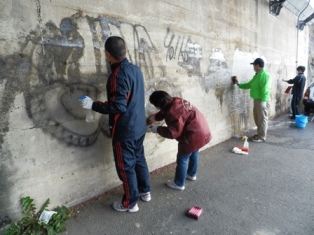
[(127, 122), (297, 92)]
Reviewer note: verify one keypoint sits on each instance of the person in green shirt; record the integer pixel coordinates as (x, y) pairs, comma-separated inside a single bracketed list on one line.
[(260, 88)]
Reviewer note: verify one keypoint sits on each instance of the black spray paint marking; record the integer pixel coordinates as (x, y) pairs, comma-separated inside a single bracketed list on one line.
[(38, 11), (187, 52), (51, 96), (56, 110)]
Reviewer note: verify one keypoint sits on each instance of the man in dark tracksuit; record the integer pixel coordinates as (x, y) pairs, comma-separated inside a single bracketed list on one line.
[(127, 120), (297, 90)]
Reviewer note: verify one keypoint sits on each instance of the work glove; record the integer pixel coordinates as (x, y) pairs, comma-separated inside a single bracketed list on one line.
[(234, 80), (153, 128), (151, 119), (263, 105), (86, 102)]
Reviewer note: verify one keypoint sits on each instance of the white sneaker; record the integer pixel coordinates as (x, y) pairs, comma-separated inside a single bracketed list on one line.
[(146, 197), (119, 207), (193, 178), (172, 184), (258, 140)]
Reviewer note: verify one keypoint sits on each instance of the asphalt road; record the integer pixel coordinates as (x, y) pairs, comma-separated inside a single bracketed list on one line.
[(268, 192)]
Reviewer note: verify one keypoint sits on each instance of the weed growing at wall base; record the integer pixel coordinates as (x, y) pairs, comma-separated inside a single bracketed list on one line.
[(31, 224)]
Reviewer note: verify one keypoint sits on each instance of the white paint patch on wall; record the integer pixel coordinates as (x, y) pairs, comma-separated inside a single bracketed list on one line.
[(194, 50), (217, 55), (241, 66)]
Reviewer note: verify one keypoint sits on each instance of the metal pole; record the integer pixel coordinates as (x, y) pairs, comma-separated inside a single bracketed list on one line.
[(296, 59)]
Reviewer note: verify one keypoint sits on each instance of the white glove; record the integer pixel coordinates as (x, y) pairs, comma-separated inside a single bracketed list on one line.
[(263, 105), (87, 102), (153, 128), (152, 119)]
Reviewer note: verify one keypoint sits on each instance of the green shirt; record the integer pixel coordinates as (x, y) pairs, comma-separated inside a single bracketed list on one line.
[(259, 86)]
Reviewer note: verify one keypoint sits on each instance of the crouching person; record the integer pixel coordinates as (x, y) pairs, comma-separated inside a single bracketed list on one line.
[(188, 126), (308, 100)]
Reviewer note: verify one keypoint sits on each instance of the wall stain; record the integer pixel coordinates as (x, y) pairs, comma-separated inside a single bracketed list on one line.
[(281, 97), (5, 185), (54, 81), (219, 92)]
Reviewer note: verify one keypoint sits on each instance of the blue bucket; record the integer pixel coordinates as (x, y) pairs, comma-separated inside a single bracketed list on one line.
[(300, 121)]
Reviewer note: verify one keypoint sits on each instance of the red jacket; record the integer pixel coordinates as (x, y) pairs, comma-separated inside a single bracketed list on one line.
[(185, 123)]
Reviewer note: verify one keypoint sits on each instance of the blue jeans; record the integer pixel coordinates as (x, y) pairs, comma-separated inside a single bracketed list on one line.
[(186, 164)]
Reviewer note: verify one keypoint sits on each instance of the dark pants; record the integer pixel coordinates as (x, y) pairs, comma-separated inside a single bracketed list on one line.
[(295, 103), (132, 169), (308, 106)]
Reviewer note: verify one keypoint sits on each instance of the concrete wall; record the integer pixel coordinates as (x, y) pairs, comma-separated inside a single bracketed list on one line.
[(311, 56), (52, 52)]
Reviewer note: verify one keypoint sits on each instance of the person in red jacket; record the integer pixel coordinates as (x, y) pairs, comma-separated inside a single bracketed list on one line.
[(187, 125)]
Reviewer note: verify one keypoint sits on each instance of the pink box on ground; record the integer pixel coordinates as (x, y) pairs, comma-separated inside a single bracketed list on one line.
[(195, 212)]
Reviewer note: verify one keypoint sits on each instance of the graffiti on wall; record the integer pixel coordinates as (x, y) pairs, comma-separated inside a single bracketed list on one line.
[(58, 63), (236, 101), (281, 99), (184, 50), (53, 73), (310, 72), (217, 72)]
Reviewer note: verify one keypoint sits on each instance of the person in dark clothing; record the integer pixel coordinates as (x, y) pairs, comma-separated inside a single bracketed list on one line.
[(188, 126), (308, 100), (127, 122), (297, 90)]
